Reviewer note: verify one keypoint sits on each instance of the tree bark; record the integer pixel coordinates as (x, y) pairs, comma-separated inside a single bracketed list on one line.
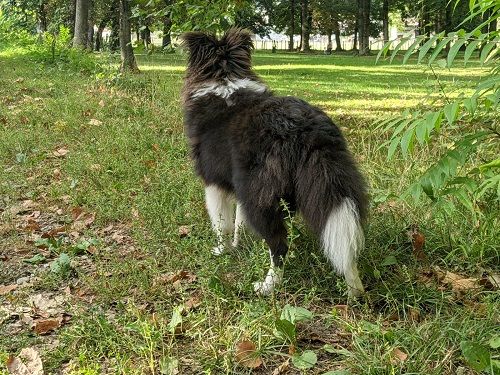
[(167, 25), (305, 27), (385, 20), (128, 63), (81, 24), (364, 26), (42, 17), (336, 31), (98, 37), (292, 25), (114, 38), (90, 31), (355, 42)]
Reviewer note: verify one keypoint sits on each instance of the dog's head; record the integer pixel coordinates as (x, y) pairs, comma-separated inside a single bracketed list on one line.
[(214, 59)]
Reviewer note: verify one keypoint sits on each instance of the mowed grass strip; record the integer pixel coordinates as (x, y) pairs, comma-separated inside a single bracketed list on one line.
[(127, 160)]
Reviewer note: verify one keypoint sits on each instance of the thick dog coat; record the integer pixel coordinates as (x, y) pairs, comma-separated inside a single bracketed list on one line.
[(250, 145)]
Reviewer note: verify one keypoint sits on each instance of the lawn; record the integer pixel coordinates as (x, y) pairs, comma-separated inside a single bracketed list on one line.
[(96, 167)]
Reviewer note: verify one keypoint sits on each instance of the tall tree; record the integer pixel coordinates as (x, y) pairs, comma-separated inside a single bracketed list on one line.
[(291, 29), (128, 63), (385, 20), (364, 26), (306, 19), (81, 23)]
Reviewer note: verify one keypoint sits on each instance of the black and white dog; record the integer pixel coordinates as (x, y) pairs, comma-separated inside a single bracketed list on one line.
[(258, 148)]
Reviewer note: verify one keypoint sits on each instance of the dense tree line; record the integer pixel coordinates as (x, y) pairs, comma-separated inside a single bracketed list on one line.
[(361, 18)]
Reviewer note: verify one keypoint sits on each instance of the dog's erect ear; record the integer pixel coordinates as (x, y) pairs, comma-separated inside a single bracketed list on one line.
[(237, 38), (194, 40)]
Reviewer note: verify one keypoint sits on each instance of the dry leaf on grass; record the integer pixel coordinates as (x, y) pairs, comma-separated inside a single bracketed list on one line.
[(457, 282), (54, 232), (184, 231), (342, 310), (31, 225), (28, 362), (281, 369), (5, 289), (174, 277), (95, 122), (192, 303), (417, 241), (246, 354), (398, 356), (61, 152), (44, 326)]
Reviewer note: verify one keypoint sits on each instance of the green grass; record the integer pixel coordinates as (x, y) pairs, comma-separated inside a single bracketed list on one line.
[(133, 170)]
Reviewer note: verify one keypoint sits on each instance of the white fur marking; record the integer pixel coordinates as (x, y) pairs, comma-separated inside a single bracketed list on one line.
[(220, 210), (228, 88), (342, 238), (273, 279), (238, 224)]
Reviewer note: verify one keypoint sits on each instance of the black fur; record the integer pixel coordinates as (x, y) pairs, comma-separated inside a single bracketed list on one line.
[(264, 148)]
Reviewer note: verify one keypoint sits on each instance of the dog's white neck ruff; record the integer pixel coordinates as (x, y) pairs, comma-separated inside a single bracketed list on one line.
[(228, 87)]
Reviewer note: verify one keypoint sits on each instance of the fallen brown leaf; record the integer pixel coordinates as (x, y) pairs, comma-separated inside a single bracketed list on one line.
[(34, 215), (61, 152), (281, 369), (76, 212), (28, 362), (56, 173), (5, 289), (398, 356), (342, 310), (491, 282), (417, 240), (184, 231), (95, 122), (246, 354), (44, 326), (32, 225), (54, 232), (457, 282), (192, 303), (174, 277)]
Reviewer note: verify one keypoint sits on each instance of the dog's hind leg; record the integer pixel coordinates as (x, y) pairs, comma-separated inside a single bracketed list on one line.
[(269, 224), (220, 209), (239, 222)]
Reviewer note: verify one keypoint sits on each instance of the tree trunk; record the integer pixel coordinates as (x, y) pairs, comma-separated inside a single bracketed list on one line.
[(385, 20), (364, 26), (336, 31), (81, 24), (128, 63), (98, 37), (355, 43), (71, 15), (329, 42), (114, 38), (305, 26), (167, 25), (292, 25), (90, 32), (42, 17)]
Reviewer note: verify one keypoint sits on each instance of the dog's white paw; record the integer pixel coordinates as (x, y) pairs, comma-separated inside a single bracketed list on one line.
[(266, 287), (262, 288), (218, 250)]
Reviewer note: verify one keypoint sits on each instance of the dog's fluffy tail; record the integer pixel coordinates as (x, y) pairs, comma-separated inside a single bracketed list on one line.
[(331, 195)]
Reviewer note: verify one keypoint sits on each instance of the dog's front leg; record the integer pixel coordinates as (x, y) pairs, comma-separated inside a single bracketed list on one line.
[(220, 209), (239, 222)]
